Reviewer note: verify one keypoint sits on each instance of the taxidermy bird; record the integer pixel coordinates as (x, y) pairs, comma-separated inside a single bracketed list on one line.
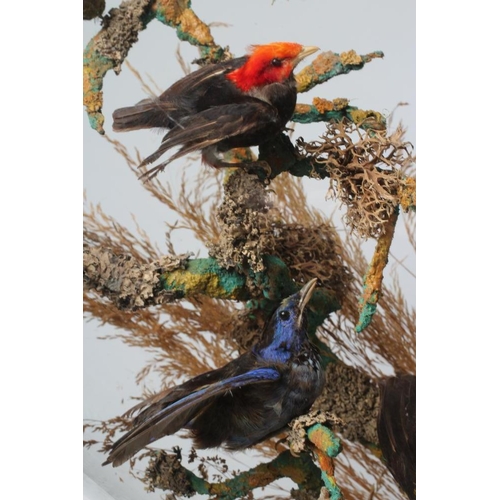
[(246, 401), (237, 103), (397, 429)]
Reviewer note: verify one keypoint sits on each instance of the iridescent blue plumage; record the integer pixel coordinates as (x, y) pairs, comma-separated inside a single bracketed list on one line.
[(242, 403)]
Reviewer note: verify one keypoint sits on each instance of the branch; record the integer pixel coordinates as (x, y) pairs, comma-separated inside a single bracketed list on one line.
[(166, 473), (323, 110), (373, 280), (329, 64), (308, 432), (326, 447), (131, 285)]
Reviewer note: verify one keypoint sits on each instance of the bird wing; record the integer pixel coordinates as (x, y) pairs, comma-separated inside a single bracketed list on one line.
[(179, 100), (176, 415), (158, 401), (212, 126), (203, 77)]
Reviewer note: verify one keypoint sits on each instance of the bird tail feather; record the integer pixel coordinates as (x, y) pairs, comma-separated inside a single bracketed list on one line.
[(148, 113)]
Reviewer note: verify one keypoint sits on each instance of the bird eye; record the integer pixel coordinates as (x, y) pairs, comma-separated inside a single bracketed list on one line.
[(277, 62), (284, 315)]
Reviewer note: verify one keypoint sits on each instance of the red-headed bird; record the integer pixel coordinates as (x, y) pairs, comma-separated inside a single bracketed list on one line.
[(238, 103)]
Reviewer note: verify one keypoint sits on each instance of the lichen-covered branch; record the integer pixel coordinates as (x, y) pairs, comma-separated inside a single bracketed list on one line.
[(109, 48), (338, 110), (373, 280), (329, 64), (132, 285), (166, 473), (353, 397), (308, 432), (326, 447), (126, 282)]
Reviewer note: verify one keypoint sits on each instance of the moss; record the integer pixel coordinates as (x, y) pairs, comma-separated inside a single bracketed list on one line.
[(122, 26), (353, 398), (165, 472), (243, 239)]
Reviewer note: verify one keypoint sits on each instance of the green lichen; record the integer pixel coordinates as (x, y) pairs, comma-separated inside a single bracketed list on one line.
[(365, 316)]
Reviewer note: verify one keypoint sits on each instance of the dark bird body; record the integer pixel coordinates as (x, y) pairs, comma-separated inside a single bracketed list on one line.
[(238, 103), (246, 401), (397, 429)]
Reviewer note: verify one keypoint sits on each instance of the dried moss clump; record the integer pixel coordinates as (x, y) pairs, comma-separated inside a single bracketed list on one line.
[(165, 472), (242, 215), (311, 252), (128, 283), (251, 228), (121, 30), (366, 174), (352, 397)]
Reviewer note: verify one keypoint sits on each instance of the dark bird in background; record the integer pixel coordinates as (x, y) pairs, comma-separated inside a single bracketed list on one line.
[(246, 401), (397, 426), (238, 103)]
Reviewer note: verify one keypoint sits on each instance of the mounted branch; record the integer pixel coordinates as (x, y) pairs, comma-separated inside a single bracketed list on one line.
[(131, 285), (165, 472)]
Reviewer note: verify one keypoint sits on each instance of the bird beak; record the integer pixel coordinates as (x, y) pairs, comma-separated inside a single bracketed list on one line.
[(306, 51), (304, 295)]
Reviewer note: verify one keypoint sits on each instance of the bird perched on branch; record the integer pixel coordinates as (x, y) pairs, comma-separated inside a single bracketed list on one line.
[(237, 103), (246, 401)]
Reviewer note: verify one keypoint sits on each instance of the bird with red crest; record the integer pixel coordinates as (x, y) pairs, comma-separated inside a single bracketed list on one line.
[(238, 103)]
